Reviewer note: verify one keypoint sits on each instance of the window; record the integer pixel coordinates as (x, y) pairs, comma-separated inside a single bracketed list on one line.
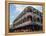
[(36, 12), (41, 20), (38, 19), (24, 19), (34, 18), (29, 18), (28, 9)]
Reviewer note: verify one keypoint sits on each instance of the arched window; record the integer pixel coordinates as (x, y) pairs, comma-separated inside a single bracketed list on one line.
[(35, 18), (29, 18), (38, 19)]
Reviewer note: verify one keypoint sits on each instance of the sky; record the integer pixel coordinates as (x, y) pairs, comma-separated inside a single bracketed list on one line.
[(16, 9)]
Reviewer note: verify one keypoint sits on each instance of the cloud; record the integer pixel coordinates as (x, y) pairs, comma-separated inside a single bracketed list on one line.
[(21, 7), (38, 8)]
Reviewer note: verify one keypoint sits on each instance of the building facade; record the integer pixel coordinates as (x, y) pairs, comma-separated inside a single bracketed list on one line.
[(29, 20)]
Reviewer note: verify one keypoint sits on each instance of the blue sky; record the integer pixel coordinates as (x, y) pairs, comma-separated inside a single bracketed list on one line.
[(16, 9)]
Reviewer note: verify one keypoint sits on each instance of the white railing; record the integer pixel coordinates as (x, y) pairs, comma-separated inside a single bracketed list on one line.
[(23, 24)]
